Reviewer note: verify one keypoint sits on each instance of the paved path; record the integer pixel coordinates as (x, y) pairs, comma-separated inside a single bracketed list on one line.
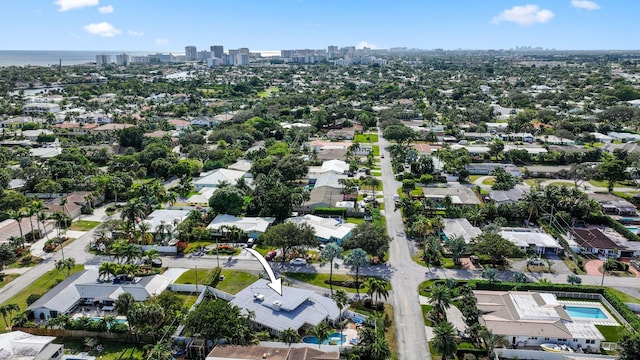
[(406, 275)]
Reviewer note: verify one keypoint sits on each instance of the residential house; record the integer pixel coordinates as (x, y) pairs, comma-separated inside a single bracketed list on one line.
[(10, 229), (159, 217), (47, 151), (474, 150), (528, 238), (70, 204), (298, 309), (241, 165), (16, 122), (500, 197), (84, 287), (329, 153), (326, 229), (497, 127), (179, 124), (531, 149), (18, 345), (623, 136), (460, 228), (324, 196), (304, 352), (478, 136), (40, 108), (554, 140), (253, 227), (602, 138), (487, 168), (219, 176), (614, 205), (459, 195), (546, 171), (533, 318), (111, 128), (630, 147), (32, 135), (201, 199), (203, 121), (592, 241)]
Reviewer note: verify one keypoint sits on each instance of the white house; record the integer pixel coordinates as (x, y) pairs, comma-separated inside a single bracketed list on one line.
[(201, 199), (252, 226), (218, 176), (602, 138), (297, 309), (18, 345), (33, 134), (159, 217), (460, 227), (526, 238), (532, 319), (326, 229)]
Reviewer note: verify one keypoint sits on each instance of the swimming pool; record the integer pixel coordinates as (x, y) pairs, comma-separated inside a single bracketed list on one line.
[(333, 338), (119, 321), (585, 312), (633, 229)]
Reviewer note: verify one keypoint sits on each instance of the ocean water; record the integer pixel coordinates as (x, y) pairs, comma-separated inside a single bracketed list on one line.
[(53, 57)]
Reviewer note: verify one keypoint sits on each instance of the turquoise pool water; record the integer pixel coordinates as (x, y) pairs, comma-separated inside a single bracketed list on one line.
[(633, 229), (335, 337), (119, 321), (585, 312)]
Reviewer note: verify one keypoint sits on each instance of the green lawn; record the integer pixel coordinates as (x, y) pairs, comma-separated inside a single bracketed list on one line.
[(189, 276), (356, 221), (194, 245), (7, 279), (425, 311), (84, 225), (624, 297), (611, 333), (534, 181), (376, 173), (268, 91), (188, 299), (489, 181), (366, 138), (376, 150), (40, 286), (319, 280), (112, 350), (605, 183), (235, 280), (264, 249)]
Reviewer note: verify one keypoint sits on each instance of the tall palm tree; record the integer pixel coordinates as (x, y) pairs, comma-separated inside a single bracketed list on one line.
[(356, 259), (67, 264), (4, 312), (373, 182), (107, 269), (131, 212), (380, 350), (440, 300), (150, 255), (444, 339), (341, 298), (377, 287), (17, 215), (329, 253), (457, 246), (492, 341), (42, 217), (35, 210), (289, 336), (145, 237), (321, 332)]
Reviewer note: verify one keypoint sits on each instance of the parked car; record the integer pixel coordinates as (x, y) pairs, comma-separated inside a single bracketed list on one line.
[(535, 262), (270, 255), (298, 262)]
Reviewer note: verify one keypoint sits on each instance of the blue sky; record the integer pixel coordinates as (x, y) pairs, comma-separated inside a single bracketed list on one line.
[(168, 25)]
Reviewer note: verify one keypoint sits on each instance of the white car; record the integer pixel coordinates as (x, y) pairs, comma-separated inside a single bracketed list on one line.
[(298, 262)]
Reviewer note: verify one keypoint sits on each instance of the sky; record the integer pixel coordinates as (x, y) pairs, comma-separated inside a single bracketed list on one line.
[(169, 25)]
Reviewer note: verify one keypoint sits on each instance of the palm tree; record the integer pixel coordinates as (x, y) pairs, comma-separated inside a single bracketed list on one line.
[(151, 255), (373, 182), (158, 351), (444, 339), (356, 259), (42, 217), (145, 236), (132, 211), (331, 252), (380, 350), (171, 197), (164, 231), (321, 332), (68, 264), (440, 300), (457, 246), (107, 269), (492, 341), (377, 287), (36, 209), (289, 336), (341, 299), (17, 215), (4, 312)]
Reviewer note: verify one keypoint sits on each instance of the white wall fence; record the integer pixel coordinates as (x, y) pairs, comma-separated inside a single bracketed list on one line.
[(592, 296), (161, 249), (542, 355), (329, 348)]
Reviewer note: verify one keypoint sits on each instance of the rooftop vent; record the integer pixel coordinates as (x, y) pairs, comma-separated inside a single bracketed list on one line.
[(258, 296), (276, 305)]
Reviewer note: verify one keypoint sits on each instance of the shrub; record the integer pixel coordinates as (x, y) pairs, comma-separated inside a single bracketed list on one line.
[(215, 277), (33, 298)]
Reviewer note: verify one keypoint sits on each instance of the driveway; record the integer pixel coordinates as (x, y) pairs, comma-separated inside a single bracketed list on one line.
[(592, 267)]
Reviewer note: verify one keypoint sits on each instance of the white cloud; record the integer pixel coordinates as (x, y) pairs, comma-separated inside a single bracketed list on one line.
[(585, 4), (135, 33), (66, 5), (524, 15), (103, 29), (106, 9), (365, 44), (161, 41)]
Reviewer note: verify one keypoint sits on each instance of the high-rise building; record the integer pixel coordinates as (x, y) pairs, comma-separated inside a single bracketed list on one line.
[(122, 60), (217, 51), (103, 59), (191, 53)]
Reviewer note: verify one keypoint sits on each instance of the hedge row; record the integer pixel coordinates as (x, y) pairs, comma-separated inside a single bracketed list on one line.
[(330, 211), (615, 225), (214, 279)]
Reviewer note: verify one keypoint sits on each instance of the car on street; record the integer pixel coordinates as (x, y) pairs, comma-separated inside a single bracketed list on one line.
[(535, 262), (298, 262)]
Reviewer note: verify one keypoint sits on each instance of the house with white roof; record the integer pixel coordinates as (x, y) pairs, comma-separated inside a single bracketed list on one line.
[(219, 176), (19, 345), (201, 199), (326, 229), (162, 216), (297, 309), (252, 226), (533, 318), (526, 238), (461, 227), (602, 138), (33, 134), (624, 136), (84, 287)]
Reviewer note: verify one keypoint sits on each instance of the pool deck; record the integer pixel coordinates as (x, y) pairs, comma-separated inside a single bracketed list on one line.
[(609, 321)]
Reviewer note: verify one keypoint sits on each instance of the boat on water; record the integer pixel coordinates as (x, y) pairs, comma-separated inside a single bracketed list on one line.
[(556, 348)]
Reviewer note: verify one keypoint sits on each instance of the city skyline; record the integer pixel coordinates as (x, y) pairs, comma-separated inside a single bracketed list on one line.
[(118, 25)]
